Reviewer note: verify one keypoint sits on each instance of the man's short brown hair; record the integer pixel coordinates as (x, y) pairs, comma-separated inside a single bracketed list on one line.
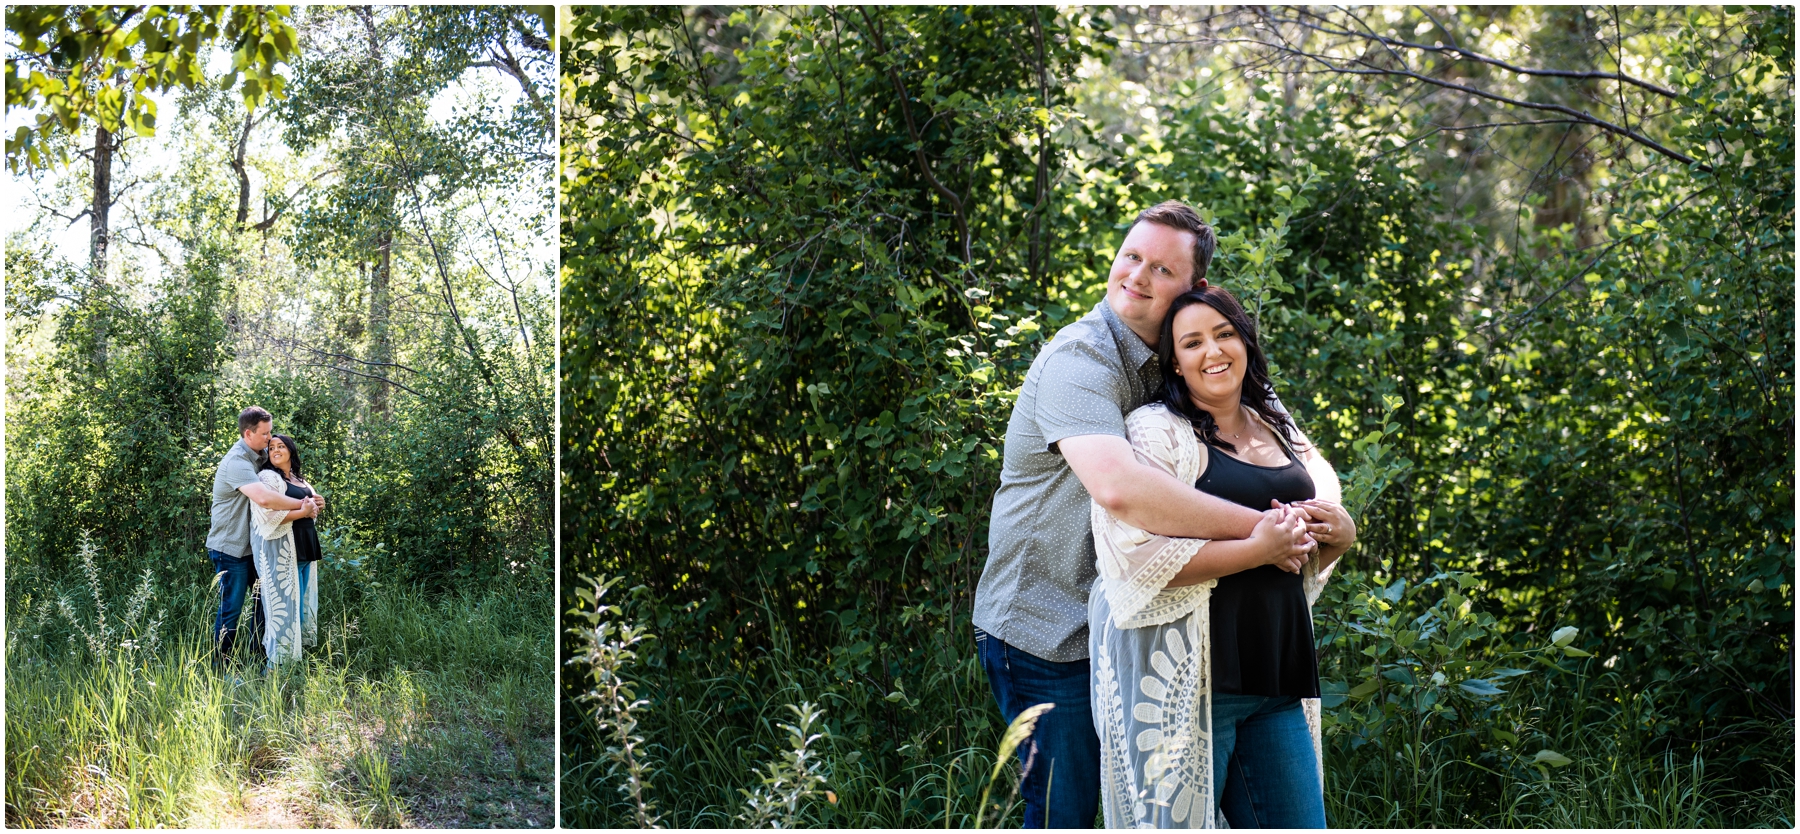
[(1176, 214), (252, 417)]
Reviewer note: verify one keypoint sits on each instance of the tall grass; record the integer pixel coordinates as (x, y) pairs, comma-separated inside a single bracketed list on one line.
[(1614, 778), (717, 744), (708, 737), (413, 710)]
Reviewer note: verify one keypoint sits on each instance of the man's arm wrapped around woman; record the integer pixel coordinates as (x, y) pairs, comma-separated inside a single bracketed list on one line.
[(267, 523), (1135, 565)]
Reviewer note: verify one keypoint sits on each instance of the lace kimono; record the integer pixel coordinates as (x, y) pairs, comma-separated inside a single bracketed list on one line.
[(1151, 650), (289, 619)]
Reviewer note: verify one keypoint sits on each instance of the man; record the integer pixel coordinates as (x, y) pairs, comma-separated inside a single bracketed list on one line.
[(235, 487), (1066, 442)]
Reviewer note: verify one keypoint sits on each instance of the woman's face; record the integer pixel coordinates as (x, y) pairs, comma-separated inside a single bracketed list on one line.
[(1210, 356), (278, 453)]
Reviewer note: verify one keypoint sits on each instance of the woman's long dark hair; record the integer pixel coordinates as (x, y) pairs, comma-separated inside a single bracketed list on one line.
[(293, 458), (1258, 393)]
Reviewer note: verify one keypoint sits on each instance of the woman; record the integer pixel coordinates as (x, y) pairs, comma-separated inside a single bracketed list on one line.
[(1202, 651), (285, 544)]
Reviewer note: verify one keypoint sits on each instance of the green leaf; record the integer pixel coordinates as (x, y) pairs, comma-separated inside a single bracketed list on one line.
[(1481, 688), (1551, 758)]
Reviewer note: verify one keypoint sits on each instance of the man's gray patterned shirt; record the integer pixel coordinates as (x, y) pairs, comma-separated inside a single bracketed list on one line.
[(1034, 590)]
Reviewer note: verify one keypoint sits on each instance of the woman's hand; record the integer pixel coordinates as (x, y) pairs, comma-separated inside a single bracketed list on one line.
[(1329, 523), (1282, 534)]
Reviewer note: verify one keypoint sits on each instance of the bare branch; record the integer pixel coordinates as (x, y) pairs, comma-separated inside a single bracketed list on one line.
[(1364, 67), (1453, 51), (376, 377), (1470, 128)]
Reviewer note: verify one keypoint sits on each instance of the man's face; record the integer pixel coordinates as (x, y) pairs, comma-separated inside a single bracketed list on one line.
[(1154, 264), (258, 438)]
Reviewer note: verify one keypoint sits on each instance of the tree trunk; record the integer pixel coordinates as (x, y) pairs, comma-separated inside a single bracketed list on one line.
[(243, 172), (1567, 40), (100, 235), (381, 344)]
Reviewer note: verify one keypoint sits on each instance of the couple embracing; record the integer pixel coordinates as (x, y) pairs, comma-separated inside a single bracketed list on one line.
[(263, 531), (1161, 529)]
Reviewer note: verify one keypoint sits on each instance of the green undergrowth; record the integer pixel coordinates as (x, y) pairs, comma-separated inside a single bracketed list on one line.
[(414, 710), (709, 737), (1469, 726)]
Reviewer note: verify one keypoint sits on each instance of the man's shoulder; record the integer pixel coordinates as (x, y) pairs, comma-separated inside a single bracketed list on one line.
[(235, 453), (1087, 336), (235, 467)]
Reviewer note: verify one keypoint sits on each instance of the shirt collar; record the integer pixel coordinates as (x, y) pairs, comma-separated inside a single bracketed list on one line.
[(1132, 348)]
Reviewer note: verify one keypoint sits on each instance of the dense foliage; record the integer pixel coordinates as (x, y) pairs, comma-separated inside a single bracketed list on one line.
[(808, 256)]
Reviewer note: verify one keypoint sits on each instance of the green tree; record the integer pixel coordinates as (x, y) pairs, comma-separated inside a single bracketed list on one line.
[(80, 65)]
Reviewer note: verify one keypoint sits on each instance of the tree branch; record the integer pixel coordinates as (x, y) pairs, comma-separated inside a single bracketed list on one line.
[(956, 205), (1406, 72), (1454, 51), (376, 377)]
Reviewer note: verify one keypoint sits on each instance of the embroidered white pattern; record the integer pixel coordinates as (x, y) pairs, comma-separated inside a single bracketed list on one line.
[(278, 580), (1117, 778), (1152, 649)]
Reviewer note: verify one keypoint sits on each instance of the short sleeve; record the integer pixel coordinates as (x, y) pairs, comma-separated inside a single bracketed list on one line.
[(237, 472), (1079, 393)]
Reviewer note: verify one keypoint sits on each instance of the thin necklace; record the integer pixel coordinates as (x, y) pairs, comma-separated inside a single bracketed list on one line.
[(1239, 435)]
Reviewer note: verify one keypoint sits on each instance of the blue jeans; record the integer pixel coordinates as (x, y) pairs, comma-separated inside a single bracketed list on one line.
[(238, 572), (1062, 781), (1263, 751), (305, 570)]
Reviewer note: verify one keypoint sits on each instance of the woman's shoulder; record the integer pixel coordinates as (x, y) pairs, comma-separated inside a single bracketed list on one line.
[(1161, 433), (1157, 424), (271, 479), (1153, 415)]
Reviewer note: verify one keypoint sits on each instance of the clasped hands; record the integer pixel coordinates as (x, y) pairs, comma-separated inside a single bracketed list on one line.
[(1292, 532), (311, 505)]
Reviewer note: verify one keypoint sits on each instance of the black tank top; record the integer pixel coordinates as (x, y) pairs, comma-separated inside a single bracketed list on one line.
[(306, 533), (1262, 637)]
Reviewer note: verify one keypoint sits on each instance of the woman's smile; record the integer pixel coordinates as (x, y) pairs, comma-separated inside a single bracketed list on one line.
[(1210, 353)]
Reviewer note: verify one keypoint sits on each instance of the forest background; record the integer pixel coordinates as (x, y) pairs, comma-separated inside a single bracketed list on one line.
[(1526, 273), (340, 214)]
